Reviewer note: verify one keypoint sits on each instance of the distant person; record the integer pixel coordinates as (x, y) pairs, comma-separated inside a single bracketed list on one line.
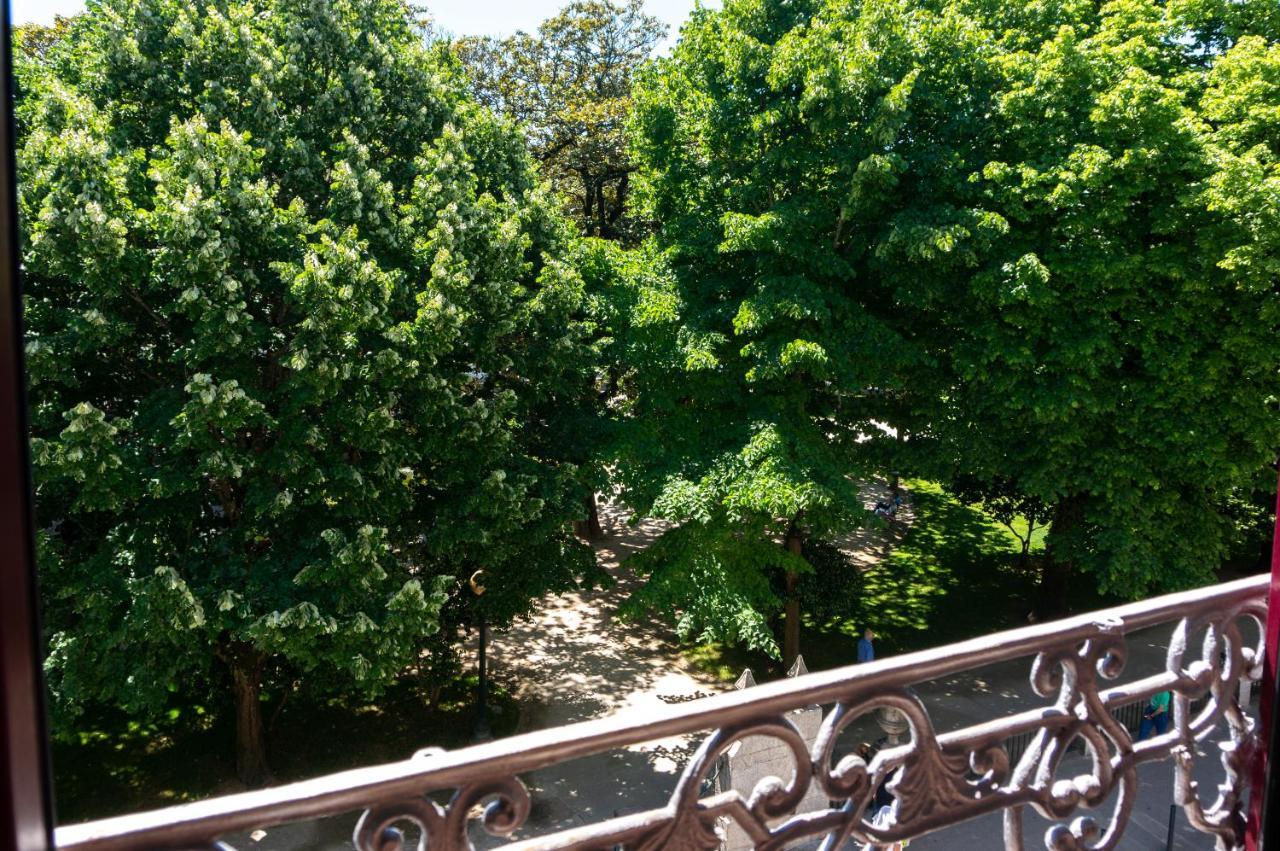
[(866, 649), (885, 818), (884, 798), (1156, 716)]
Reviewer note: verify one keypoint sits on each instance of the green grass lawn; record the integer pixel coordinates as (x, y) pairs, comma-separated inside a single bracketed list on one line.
[(955, 575), (1020, 525), (119, 766)]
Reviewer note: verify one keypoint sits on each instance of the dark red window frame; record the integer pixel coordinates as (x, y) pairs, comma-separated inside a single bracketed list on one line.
[(26, 811)]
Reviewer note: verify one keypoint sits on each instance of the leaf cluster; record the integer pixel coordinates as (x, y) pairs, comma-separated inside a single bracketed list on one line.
[(1029, 247), (303, 333)]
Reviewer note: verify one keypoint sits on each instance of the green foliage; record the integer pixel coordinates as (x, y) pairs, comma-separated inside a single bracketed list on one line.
[(787, 373), (1025, 517), (1036, 242), (952, 576), (34, 41), (309, 342), (1115, 350), (633, 307), (570, 87), (713, 583), (301, 331), (1251, 509), (832, 590), (117, 765)]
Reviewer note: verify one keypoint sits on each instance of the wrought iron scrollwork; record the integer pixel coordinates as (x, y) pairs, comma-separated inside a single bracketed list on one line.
[(936, 785), (445, 828), (935, 780)]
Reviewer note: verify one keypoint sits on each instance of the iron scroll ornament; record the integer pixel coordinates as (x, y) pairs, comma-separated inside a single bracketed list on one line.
[(936, 780)]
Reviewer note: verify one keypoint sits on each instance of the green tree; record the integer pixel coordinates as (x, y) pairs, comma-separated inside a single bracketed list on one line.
[(300, 318), (34, 41), (1251, 508), (793, 375), (569, 86), (1114, 350), (1027, 245), (1021, 514)]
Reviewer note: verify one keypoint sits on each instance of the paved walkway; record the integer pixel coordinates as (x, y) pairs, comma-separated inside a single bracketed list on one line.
[(576, 660)]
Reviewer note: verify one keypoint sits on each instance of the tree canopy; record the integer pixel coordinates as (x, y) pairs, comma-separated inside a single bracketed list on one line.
[(312, 338), (786, 372), (1112, 351), (965, 239), (569, 86), (300, 321)]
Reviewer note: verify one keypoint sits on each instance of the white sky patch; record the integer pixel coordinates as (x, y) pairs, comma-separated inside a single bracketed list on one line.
[(457, 17)]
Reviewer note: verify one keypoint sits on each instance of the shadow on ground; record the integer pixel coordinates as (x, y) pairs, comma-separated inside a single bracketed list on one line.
[(943, 572)]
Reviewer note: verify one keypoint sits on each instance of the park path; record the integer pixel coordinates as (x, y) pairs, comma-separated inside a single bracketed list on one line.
[(575, 659)]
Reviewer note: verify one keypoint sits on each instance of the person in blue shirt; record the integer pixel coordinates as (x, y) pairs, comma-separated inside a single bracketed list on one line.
[(866, 650)]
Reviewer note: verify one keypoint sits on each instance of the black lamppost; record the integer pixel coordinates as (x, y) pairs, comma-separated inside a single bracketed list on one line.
[(481, 732)]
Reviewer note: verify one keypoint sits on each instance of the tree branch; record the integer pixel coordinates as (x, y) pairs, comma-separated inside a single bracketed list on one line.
[(137, 299)]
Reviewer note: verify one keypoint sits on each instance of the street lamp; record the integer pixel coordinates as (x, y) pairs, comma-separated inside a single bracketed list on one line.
[(481, 732)]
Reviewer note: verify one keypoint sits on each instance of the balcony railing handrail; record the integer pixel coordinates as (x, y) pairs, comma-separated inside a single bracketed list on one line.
[(197, 824)]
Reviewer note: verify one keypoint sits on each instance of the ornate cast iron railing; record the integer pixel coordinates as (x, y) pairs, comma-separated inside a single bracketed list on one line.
[(937, 780)]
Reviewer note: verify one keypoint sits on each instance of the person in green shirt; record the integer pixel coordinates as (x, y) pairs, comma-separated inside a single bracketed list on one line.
[(1155, 716)]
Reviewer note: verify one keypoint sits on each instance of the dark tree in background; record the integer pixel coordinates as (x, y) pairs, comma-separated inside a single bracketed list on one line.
[(569, 86), (34, 41)]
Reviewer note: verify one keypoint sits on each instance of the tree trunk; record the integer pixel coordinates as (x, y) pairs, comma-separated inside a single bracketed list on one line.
[(895, 482), (589, 529), (251, 738), (1056, 576), (791, 618), (594, 530), (602, 225), (619, 203), (1025, 557), (588, 202)]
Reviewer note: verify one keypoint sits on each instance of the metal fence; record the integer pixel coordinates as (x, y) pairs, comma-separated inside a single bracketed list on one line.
[(938, 779), (1129, 715)]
